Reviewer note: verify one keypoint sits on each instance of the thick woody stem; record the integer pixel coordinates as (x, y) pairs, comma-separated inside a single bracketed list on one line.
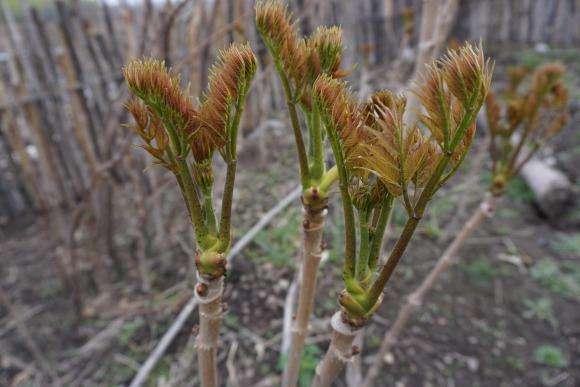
[(209, 296), (339, 353), (415, 299), (313, 226)]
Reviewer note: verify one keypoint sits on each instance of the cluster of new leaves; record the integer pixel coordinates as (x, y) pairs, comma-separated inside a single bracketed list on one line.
[(299, 61), (172, 129), (302, 59), (163, 112), (531, 111), (375, 138), (229, 82), (383, 157)]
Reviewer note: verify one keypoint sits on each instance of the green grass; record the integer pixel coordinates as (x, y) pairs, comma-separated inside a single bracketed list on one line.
[(550, 356), (515, 363), (310, 358), (519, 191), (540, 309), (129, 330), (480, 271), (279, 243), (533, 58), (438, 208), (564, 280), (567, 244)]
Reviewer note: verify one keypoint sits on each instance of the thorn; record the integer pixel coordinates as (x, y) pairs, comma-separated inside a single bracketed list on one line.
[(355, 350)]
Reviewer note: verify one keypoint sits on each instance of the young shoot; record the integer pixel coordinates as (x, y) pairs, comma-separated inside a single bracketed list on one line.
[(533, 111), (299, 61), (182, 138), (380, 159)]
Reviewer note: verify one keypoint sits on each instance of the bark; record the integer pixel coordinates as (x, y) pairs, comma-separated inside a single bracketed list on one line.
[(415, 299), (313, 226), (339, 353), (209, 296)]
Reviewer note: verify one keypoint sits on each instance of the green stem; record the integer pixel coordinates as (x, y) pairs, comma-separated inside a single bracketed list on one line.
[(379, 231), (349, 224), (328, 179), (317, 167), (401, 244), (362, 262), (209, 211), (300, 147), (190, 194), (226, 212), (185, 181)]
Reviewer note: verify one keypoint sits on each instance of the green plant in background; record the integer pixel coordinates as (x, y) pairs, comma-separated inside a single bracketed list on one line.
[(540, 309), (183, 139), (279, 243), (440, 207), (568, 244), (308, 365), (550, 356), (550, 275), (380, 158), (481, 271), (530, 112)]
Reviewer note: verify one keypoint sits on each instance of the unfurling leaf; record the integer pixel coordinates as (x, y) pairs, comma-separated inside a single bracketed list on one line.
[(467, 75), (340, 111), (275, 25), (228, 83), (159, 89)]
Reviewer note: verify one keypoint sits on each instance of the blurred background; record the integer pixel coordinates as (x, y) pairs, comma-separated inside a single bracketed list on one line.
[(96, 250)]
